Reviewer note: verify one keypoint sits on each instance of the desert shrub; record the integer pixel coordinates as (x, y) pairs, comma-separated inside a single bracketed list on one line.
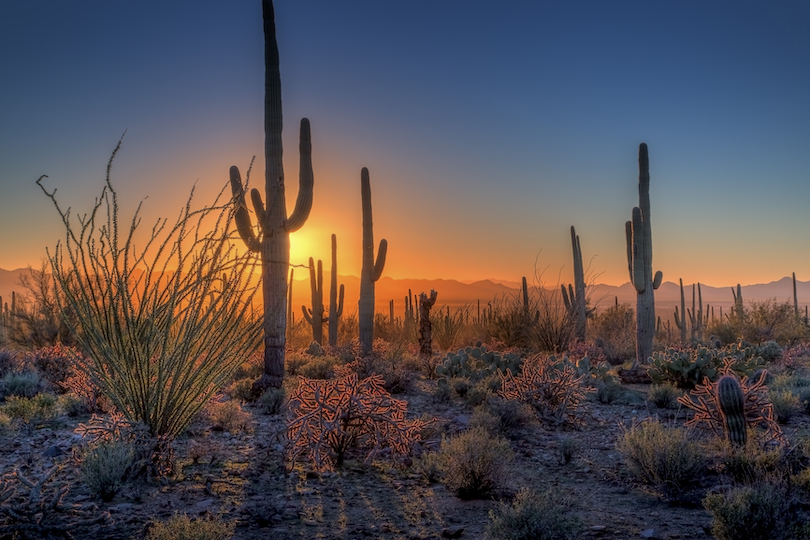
[(272, 400), (228, 416), (160, 343), (608, 391), (22, 384), (566, 448), (508, 324), (72, 405), (106, 466), (318, 367), (613, 331), (664, 396), (511, 414), (9, 361), (240, 389), (181, 527), (531, 516), (30, 412), (770, 351), (474, 464), (327, 418), (754, 464), (55, 363), (785, 404), (667, 459), (553, 389), (751, 512)]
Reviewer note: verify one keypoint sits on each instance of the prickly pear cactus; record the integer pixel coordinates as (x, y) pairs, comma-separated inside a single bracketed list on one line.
[(477, 363), (731, 399)]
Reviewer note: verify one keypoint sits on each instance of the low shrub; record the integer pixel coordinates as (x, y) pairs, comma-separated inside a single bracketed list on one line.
[(664, 396), (474, 464), (22, 384), (31, 411), (533, 515), (8, 361), (181, 527), (106, 466), (667, 459), (760, 512), (566, 448), (228, 416), (240, 389), (272, 400), (785, 405), (55, 363)]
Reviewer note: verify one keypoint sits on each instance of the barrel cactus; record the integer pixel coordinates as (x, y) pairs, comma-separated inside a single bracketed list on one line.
[(732, 406)]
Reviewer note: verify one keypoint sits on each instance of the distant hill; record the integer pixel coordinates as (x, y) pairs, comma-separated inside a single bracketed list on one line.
[(455, 293)]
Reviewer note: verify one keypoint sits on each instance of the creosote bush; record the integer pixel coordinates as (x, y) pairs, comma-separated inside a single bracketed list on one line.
[(668, 459), (760, 512), (165, 324), (181, 527), (533, 516), (106, 466), (474, 464)]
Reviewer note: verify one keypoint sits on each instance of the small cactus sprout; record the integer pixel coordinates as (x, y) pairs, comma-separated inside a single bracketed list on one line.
[(732, 406)]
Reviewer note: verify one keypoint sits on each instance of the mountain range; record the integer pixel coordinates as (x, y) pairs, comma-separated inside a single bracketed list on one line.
[(455, 293)]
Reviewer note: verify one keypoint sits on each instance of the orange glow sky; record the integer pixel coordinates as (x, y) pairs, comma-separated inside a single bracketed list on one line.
[(487, 132)]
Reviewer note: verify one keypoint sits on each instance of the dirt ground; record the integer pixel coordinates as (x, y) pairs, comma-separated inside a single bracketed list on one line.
[(244, 478)]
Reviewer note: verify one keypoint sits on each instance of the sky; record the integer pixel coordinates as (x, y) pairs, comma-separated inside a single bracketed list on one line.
[(488, 128)]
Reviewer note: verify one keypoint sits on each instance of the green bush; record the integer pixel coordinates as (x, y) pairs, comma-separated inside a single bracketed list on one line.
[(272, 400), (22, 384), (566, 448), (686, 368), (474, 464), (31, 411), (667, 459), (785, 404), (240, 389), (106, 466), (760, 512), (664, 396), (533, 516), (183, 528)]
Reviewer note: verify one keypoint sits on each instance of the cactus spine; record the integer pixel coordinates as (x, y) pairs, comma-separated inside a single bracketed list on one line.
[(335, 304), (371, 270), (273, 239), (574, 298), (314, 316), (731, 399), (638, 233)]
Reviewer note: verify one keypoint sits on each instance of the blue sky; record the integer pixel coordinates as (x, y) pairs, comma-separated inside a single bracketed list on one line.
[(488, 128)]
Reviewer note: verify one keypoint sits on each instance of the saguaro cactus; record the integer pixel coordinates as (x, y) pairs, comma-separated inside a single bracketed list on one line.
[(274, 226), (574, 297), (425, 326), (696, 315), (314, 316), (731, 399), (639, 261), (680, 320), (371, 270), (335, 305)]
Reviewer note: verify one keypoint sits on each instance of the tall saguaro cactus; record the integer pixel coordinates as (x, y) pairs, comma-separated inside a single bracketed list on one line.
[(314, 316), (335, 305), (274, 226), (574, 297), (371, 270), (639, 261)]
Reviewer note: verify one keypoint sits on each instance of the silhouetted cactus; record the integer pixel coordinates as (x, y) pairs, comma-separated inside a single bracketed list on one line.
[(731, 399), (273, 239), (425, 326), (335, 303), (738, 303), (696, 315), (639, 261), (371, 270), (574, 297), (680, 320), (314, 316)]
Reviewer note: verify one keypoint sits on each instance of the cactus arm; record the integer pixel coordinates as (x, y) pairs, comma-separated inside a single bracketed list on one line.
[(258, 207), (242, 217), (339, 311), (628, 234), (303, 204), (566, 301), (380, 263), (307, 314)]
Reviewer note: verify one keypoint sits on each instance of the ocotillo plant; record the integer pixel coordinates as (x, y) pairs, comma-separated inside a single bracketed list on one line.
[(274, 226), (371, 270), (639, 261), (335, 304), (680, 320), (314, 316), (696, 315), (574, 298)]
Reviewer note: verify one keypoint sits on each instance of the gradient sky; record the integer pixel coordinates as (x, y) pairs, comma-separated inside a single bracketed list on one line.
[(489, 128)]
